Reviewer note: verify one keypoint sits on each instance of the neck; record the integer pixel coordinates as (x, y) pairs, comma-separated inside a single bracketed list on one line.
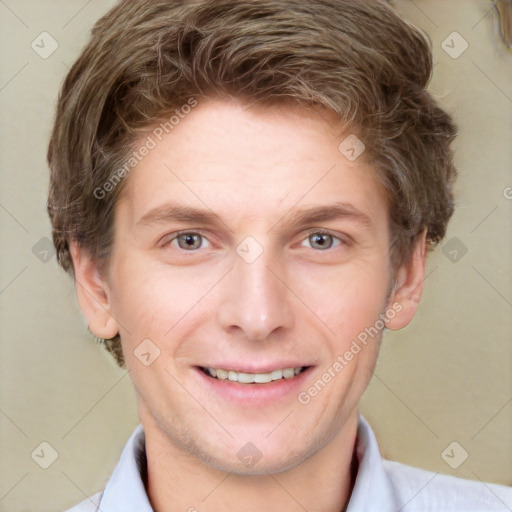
[(178, 481)]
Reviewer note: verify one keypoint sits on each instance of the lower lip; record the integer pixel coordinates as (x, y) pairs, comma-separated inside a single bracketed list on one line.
[(259, 394)]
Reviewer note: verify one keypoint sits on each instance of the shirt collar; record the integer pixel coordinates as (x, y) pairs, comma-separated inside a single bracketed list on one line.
[(372, 487), (125, 489)]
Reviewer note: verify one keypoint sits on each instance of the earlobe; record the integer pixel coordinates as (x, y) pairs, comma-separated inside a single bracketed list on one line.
[(409, 286), (93, 294)]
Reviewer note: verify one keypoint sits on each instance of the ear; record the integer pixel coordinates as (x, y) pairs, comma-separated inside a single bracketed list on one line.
[(93, 294), (408, 286)]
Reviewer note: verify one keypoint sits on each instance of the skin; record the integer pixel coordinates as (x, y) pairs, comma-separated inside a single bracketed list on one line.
[(302, 300)]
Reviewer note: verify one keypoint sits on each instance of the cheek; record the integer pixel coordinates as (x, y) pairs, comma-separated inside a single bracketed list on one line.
[(351, 305), (345, 300), (149, 299), (138, 298)]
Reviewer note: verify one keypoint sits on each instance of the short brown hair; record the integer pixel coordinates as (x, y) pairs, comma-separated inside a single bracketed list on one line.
[(148, 58)]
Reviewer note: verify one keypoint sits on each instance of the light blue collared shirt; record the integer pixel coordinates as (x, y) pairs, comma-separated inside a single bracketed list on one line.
[(380, 486)]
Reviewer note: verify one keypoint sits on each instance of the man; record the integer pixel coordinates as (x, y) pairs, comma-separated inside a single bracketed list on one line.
[(245, 193)]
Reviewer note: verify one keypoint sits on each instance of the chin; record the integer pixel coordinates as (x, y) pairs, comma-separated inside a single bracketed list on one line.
[(262, 457), (263, 464)]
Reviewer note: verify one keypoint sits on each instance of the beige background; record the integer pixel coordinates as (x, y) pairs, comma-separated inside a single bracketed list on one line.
[(445, 378)]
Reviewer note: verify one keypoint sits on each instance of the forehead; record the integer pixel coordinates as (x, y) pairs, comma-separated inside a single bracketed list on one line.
[(243, 162)]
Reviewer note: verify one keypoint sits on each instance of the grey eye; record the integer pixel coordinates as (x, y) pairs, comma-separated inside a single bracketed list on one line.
[(189, 241), (321, 240)]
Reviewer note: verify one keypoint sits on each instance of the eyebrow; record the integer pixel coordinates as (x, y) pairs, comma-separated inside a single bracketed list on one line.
[(293, 219), (181, 213), (324, 213)]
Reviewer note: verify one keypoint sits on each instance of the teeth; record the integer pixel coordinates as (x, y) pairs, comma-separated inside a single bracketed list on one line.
[(222, 374), (246, 378), (288, 373), (262, 378), (249, 378), (276, 375)]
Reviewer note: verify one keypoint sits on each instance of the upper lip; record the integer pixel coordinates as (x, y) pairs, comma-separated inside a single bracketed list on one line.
[(253, 368)]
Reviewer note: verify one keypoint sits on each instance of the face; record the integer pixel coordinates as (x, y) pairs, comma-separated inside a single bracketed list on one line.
[(248, 246)]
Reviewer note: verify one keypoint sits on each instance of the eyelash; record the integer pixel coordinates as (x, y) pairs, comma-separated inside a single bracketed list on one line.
[(310, 233)]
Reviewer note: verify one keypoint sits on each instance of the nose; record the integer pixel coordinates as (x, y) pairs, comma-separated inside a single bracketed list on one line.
[(255, 299)]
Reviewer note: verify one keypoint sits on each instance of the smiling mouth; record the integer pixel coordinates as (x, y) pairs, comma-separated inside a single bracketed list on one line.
[(253, 378)]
